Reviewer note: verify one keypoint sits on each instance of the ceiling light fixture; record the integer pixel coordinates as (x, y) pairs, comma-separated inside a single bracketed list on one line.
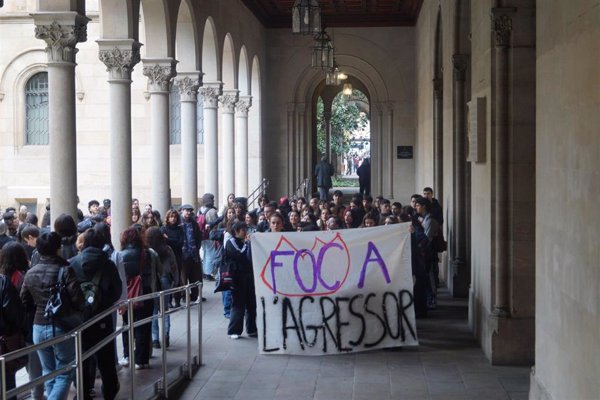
[(322, 52), (306, 17)]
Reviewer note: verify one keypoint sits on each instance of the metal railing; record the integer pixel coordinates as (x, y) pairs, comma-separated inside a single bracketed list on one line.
[(303, 190), (260, 190), (80, 356)]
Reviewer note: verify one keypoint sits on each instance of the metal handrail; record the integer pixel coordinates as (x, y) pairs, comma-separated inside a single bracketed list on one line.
[(302, 190), (260, 190), (80, 356)]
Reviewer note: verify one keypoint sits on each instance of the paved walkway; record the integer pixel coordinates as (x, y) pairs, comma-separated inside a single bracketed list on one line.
[(447, 365)]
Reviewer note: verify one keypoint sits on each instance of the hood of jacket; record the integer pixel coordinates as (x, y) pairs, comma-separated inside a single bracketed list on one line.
[(92, 258)]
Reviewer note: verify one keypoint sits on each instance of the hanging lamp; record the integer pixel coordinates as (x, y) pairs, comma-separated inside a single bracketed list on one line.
[(306, 17), (322, 52), (347, 89), (333, 75)]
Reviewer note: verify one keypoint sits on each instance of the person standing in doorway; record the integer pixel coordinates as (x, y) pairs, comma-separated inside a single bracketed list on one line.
[(364, 177), (323, 173)]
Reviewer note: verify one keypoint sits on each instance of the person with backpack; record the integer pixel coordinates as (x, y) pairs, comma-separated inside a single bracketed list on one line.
[(101, 286), (38, 286), (207, 215), (140, 264)]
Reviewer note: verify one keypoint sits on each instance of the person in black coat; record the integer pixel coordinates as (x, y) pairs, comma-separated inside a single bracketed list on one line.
[(91, 261), (237, 251), (364, 176), (323, 172)]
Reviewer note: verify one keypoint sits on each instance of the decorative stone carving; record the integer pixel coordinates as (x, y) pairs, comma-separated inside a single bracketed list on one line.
[(460, 63), (62, 39), (120, 62), (211, 95), (229, 99), (188, 88), (502, 26), (159, 76), (243, 105)]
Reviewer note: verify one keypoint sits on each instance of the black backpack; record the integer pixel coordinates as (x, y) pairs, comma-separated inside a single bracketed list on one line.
[(59, 309), (91, 295)]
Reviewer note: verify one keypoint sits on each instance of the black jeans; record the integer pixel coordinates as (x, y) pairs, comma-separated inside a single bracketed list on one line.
[(142, 334), (243, 304), (104, 359), (191, 271)]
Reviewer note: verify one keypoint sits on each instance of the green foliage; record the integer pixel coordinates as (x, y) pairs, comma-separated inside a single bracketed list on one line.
[(345, 119), (339, 181)]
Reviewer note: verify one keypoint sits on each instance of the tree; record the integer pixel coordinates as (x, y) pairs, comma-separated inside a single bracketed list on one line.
[(346, 118)]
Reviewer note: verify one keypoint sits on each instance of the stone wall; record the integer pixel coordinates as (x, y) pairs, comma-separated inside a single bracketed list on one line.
[(567, 174)]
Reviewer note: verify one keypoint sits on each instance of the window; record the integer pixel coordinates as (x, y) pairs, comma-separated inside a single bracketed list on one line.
[(175, 114), (36, 110)]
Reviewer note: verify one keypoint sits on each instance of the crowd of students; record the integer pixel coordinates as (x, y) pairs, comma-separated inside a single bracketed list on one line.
[(186, 246)]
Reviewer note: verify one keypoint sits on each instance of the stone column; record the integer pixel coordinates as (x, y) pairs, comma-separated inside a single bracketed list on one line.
[(391, 152), (327, 118), (188, 84), (459, 278), (228, 101), (241, 145), (438, 139), (301, 152), (290, 147), (502, 26), (159, 73), (211, 92), (120, 56), (61, 32)]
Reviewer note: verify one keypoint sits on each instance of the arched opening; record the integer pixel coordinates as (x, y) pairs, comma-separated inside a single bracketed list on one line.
[(342, 133), (210, 61), (255, 174)]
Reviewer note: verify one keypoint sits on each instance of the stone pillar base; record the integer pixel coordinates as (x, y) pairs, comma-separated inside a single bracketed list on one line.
[(459, 278), (512, 341)]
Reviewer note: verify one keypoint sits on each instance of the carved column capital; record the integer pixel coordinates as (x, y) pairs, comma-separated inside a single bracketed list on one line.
[(210, 92), (188, 85), (243, 105), (502, 25), (119, 57), (61, 32), (159, 73), (228, 99), (460, 63)]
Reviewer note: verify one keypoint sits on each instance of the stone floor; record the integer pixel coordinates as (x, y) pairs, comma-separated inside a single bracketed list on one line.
[(447, 365)]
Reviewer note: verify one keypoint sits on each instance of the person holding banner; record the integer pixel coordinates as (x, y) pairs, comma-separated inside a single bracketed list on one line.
[(237, 250)]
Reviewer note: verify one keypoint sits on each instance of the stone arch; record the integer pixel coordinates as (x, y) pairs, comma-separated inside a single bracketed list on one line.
[(376, 90), (255, 168), (119, 19), (159, 28), (210, 50), (243, 73), (228, 65), (186, 43)]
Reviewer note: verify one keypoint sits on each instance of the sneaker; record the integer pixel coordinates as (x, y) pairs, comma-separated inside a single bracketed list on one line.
[(124, 362), (234, 337), (142, 366), (156, 344)]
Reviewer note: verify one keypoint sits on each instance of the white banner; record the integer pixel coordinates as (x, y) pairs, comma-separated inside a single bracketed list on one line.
[(335, 291)]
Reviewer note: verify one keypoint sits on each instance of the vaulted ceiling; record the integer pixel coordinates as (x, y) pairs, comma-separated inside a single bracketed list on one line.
[(341, 13)]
